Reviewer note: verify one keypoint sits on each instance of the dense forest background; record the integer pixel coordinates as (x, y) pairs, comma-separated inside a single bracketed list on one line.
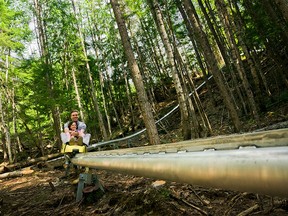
[(117, 62)]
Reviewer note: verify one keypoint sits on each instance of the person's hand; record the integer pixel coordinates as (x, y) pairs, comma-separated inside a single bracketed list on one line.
[(74, 133)]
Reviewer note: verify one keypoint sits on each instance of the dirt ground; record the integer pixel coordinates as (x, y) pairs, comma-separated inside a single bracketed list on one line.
[(47, 191)]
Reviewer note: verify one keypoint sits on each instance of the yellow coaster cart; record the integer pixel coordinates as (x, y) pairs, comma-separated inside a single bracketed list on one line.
[(66, 148), (69, 152)]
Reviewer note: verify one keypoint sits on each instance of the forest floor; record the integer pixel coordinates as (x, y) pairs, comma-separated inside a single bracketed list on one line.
[(46, 190)]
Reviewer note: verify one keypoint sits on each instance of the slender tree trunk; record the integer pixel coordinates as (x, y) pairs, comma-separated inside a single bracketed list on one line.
[(90, 79), (195, 129), (14, 111), (6, 125), (93, 29), (254, 66), (45, 55), (181, 96), (150, 43), (156, 62), (145, 106), (6, 132), (133, 123), (196, 49), (223, 46), (78, 99), (147, 78), (112, 99), (229, 27), (255, 58), (218, 39), (194, 122), (158, 51), (39, 139), (203, 42), (205, 121)]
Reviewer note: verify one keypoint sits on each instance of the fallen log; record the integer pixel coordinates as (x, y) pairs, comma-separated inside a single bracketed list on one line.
[(12, 167), (16, 173)]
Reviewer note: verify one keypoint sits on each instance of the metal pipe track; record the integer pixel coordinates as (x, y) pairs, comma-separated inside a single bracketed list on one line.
[(255, 162)]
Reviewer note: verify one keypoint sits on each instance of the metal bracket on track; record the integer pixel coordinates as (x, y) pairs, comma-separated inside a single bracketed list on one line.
[(87, 179)]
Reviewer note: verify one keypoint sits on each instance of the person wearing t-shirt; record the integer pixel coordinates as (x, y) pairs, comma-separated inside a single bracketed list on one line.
[(80, 132)]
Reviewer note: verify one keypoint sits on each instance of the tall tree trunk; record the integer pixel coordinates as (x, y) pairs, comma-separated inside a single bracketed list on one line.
[(199, 57), (155, 60), (254, 66), (93, 28), (212, 64), (147, 78), (205, 121), (42, 38), (145, 106), (133, 123), (223, 46), (90, 79), (102, 75), (195, 129), (112, 99), (15, 129), (6, 125), (218, 39), (6, 132), (229, 27), (78, 99), (194, 122), (181, 96)]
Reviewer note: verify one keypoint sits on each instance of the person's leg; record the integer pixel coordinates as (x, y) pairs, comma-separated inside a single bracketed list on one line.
[(72, 141), (80, 141)]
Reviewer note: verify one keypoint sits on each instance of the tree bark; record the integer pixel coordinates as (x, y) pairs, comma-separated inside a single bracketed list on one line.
[(3, 117), (145, 106), (78, 98), (16, 174), (6, 137), (42, 38), (212, 64), (229, 27), (90, 79), (181, 95)]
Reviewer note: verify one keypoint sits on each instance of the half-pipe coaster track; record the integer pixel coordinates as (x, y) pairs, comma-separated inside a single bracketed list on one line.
[(252, 162)]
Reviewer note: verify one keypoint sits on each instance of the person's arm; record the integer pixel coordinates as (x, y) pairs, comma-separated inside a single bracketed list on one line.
[(81, 132), (66, 129), (82, 128)]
